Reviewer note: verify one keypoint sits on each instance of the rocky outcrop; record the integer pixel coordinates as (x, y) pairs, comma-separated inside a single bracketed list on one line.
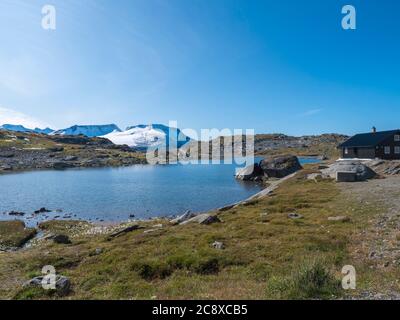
[(280, 166), (271, 167), (250, 173), (203, 218)]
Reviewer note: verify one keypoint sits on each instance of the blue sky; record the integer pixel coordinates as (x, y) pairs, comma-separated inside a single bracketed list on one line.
[(274, 66)]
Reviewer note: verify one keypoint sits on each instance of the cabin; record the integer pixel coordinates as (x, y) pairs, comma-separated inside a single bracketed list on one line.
[(374, 145)]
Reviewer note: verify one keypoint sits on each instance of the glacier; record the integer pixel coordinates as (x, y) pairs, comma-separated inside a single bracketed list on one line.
[(148, 136)]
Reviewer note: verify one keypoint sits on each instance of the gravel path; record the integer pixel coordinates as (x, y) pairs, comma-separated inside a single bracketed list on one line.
[(379, 244)]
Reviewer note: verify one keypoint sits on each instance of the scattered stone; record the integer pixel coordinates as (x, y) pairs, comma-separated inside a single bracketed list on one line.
[(56, 149), (218, 245), (123, 231), (294, 216), (71, 158), (226, 208), (317, 176), (61, 239), (62, 165), (203, 218), (158, 226), (339, 219), (150, 231), (63, 284), (264, 217), (16, 213), (186, 216), (42, 210), (7, 155)]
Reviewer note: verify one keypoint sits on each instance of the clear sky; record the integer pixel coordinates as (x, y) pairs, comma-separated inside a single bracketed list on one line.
[(274, 66)]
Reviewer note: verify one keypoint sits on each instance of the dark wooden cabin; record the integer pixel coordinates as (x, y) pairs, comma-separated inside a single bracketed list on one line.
[(376, 144)]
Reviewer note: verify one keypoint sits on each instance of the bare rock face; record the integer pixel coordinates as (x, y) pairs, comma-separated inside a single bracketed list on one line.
[(280, 166)]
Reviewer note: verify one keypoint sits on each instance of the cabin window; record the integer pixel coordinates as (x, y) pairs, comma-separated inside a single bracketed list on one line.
[(387, 150), (397, 150), (346, 151), (397, 137)]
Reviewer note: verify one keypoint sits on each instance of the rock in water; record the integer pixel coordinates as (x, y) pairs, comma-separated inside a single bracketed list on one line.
[(250, 173), (280, 166), (42, 210), (16, 213)]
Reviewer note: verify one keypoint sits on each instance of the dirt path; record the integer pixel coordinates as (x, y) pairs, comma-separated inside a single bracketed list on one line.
[(378, 245)]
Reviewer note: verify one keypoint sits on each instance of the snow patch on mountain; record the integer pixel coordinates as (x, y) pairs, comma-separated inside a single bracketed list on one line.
[(148, 136), (88, 130)]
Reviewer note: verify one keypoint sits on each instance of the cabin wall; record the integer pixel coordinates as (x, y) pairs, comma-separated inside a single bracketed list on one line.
[(361, 153), (380, 150)]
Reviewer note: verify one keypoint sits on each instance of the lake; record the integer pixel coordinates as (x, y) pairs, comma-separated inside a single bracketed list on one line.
[(113, 194)]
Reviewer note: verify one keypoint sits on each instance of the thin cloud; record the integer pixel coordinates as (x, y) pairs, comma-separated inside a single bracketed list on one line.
[(8, 116), (311, 112)]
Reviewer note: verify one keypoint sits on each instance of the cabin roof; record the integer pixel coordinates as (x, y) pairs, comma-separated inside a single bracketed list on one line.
[(371, 139)]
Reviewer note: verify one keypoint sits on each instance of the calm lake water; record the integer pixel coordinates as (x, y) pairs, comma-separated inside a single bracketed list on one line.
[(113, 194)]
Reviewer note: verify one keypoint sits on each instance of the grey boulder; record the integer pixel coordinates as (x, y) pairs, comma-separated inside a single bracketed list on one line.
[(63, 284), (280, 166), (249, 173)]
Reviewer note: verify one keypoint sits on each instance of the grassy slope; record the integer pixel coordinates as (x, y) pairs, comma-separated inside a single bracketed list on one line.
[(14, 234), (265, 256)]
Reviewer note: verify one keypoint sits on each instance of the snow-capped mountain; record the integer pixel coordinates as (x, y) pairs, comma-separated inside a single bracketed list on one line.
[(21, 128), (148, 136), (88, 130)]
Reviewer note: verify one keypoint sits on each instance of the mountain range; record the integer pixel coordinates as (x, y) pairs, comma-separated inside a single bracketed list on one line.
[(138, 137), (21, 128)]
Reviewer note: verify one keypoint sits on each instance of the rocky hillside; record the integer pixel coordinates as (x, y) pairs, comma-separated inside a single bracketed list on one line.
[(24, 151), (324, 145)]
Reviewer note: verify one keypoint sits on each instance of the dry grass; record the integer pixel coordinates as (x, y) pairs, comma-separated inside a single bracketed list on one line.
[(264, 250)]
